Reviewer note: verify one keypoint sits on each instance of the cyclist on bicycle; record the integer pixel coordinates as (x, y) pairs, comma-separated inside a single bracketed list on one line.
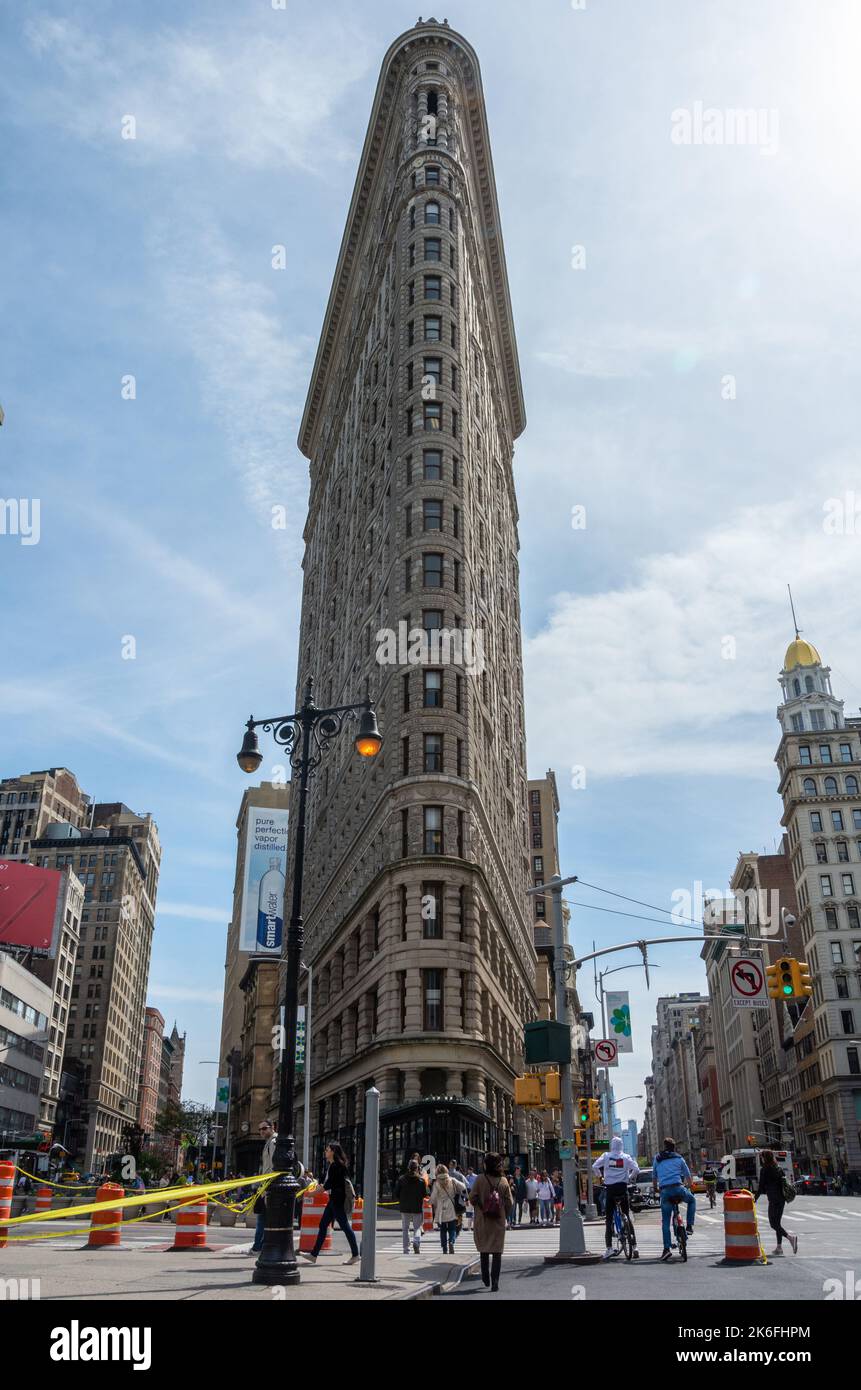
[(710, 1180), (617, 1170), (671, 1173)]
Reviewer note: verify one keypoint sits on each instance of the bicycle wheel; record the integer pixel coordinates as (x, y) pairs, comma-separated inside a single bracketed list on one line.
[(627, 1239), (681, 1237)]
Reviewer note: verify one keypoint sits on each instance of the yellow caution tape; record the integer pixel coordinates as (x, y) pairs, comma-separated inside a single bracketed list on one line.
[(68, 1186), (161, 1194)]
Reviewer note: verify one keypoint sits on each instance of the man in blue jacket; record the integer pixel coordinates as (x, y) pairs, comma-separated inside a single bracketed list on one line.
[(670, 1173)]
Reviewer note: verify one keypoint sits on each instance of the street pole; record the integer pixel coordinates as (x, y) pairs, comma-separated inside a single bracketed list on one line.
[(277, 1263), (367, 1268), (306, 1128), (572, 1235)]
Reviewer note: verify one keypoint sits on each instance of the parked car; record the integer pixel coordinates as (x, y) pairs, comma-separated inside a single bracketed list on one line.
[(812, 1186), (640, 1192)]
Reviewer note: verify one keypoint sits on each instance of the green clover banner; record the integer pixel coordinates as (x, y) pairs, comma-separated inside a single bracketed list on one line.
[(619, 1019)]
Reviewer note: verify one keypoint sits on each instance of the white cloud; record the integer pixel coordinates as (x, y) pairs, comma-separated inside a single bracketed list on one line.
[(193, 913), (632, 682), (259, 92)]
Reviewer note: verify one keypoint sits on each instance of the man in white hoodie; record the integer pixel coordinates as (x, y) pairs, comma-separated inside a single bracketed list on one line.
[(616, 1170)]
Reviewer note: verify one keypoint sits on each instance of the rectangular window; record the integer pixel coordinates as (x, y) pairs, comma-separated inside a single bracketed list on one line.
[(433, 329), (837, 820), (854, 918), (408, 575), (408, 470), (431, 175), (433, 466), (847, 1021), (433, 287), (433, 689), (432, 620), (432, 415), (405, 757), (817, 719), (411, 298), (406, 688), (433, 837), (825, 885), (845, 753), (825, 753), (460, 836), (852, 1060), (538, 864), (433, 751), (815, 820), (432, 571), (432, 371), (458, 691), (405, 834), (409, 420), (459, 765), (831, 918), (848, 885), (457, 576), (804, 755), (411, 333), (433, 1001), (408, 519), (856, 819), (433, 248), (797, 723), (432, 514), (432, 899), (842, 852)]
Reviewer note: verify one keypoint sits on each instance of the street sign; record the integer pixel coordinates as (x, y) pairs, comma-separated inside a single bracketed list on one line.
[(747, 984), (607, 1052), (566, 1150)]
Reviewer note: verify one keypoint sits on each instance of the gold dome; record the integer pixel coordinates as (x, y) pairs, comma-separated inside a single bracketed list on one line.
[(801, 653)]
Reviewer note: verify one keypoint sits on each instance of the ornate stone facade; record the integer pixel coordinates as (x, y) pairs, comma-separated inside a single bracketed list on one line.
[(416, 919)]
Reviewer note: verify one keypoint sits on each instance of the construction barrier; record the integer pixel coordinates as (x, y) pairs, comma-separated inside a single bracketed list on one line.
[(106, 1222), (44, 1199), (313, 1206), (427, 1215), (741, 1237), (7, 1188), (191, 1227), (357, 1218)]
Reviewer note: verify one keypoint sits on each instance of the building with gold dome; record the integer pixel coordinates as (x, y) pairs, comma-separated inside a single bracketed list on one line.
[(819, 762)]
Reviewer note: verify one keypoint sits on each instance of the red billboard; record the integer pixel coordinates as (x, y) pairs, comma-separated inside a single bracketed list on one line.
[(31, 905)]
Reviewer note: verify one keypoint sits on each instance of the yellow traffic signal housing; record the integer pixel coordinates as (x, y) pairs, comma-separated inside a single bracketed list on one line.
[(772, 980), (786, 977), (801, 979), (583, 1111), (553, 1088), (527, 1090), (594, 1112), (579, 1139)]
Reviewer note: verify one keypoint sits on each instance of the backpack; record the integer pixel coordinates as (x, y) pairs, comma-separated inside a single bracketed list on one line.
[(349, 1196), (492, 1204)]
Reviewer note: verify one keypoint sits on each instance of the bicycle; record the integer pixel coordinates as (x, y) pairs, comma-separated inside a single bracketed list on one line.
[(623, 1232), (678, 1227)]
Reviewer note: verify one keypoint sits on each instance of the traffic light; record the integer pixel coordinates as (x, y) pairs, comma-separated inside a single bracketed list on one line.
[(594, 1112), (583, 1111), (527, 1090), (779, 978), (801, 979), (552, 1088), (579, 1138), (772, 980)]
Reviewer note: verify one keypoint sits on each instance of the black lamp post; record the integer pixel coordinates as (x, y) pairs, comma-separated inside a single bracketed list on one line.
[(306, 736)]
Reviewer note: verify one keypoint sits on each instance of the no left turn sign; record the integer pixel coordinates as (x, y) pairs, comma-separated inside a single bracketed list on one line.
[(747, 983), (607, 1052)]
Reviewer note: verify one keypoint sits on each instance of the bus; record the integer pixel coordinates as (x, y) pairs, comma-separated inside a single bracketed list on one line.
[(742, 1167)]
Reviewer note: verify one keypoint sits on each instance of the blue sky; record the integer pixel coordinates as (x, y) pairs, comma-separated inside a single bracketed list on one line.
[(152, 257)]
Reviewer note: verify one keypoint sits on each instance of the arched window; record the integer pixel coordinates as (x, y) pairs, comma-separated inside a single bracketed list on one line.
[(852, 786), (809, 786), (796, 685), (808, 684), (830, 786), (432, 214)]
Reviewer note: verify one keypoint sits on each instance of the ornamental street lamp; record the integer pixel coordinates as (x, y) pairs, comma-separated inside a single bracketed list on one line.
[(305, 736)]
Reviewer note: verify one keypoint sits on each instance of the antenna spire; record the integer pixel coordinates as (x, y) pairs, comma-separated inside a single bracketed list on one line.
[(794, 619)]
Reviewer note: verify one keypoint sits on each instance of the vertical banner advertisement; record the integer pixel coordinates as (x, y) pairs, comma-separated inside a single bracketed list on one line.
[(262, 926), (619, 1019), (300, 1039), (222, 1093)]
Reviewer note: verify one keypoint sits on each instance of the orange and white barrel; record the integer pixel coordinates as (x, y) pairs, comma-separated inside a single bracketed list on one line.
[(105, 1224), (7, 1188), (191, 1227), (313, 1206), (357, 1217), (427, 1215), (741, 1241), (44, 1198)]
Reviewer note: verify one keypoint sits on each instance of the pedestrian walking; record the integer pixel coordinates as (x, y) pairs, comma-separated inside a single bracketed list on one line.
[(491, 1197), (471, 1176), (267, 1133), (518, 1197), (558, 1197), (446, 1196), (545, 1199), (532, 1197), (771, 1186), (410, 1194), (461, 1205), (340, 1203)]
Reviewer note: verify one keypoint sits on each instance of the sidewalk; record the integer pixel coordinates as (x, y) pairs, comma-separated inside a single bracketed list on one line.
[(141, 1269)]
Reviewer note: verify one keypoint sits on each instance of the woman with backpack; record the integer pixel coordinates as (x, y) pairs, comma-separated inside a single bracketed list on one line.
[(492, 1200), (448, 1197), (772, 1185), (341, 1197)]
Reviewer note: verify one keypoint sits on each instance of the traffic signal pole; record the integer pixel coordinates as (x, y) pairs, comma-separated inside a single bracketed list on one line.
[(572, 1234)]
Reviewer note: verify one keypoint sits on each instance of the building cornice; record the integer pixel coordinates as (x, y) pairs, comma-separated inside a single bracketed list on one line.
[(403, 52)]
